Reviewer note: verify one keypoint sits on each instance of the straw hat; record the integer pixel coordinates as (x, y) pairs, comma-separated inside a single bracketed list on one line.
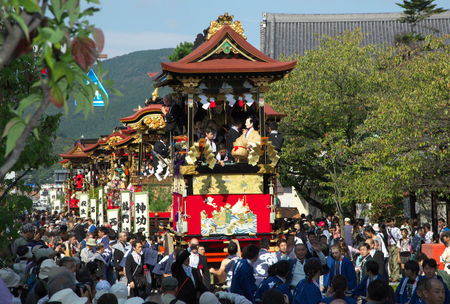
[(91, 242)]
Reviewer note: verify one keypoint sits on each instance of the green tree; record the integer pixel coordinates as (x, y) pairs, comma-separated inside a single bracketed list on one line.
[(181, 51), (365, 123), (414, 12), (327, 96), (405, 149)]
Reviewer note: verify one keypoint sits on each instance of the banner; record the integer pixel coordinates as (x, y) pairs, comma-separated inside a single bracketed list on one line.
[(224, 214), (141, 222), (93, 210), (100, 213), (84, 199), (126, 210), (57, 205), (52, 198), (113, 218)]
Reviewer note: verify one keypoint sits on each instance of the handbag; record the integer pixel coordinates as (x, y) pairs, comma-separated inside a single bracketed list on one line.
[(139, 281)]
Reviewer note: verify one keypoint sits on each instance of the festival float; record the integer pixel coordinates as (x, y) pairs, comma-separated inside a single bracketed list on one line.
[(221, 80)]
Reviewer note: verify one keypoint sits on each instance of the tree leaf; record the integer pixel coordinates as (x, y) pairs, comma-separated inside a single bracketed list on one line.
[(9, 125), (56, 10), (115, 91), (56, 96), (21, 23), (84, 52), (31, 6), (14, 133), (99, 39), (59, 70), (27, 101)]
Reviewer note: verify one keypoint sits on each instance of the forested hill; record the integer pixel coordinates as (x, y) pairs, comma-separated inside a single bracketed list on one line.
[(129, 73)]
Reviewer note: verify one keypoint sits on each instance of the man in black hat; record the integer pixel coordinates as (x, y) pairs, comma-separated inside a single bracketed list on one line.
[(275, 137)]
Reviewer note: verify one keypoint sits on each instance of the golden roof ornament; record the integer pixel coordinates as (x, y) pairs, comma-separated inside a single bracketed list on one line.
[(155, 94), (225, 19)]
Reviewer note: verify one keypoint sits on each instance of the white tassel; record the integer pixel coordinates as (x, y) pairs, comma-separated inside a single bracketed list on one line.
[(247, 85), (249, 99), (231, 100), (204, 101)]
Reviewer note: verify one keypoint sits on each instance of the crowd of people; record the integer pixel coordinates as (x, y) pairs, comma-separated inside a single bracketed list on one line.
[(60, 258)]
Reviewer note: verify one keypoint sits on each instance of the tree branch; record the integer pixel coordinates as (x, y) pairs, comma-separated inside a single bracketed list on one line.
[(21, 141), (13, 184), (15, 34)]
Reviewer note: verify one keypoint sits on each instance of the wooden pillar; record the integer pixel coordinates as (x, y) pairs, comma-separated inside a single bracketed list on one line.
[(434, 212), (140, 154), (262, 115), (190, 122), (412, 205), (262, 122)]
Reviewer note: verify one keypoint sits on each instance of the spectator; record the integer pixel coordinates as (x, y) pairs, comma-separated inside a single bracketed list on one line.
[(405, 289), (203, 267), (190, 282), (107, 298), (429, 269), (307, 291), (377, 256), (433, 292), (404, 248), (225, 272), (393, 236), (428, 233), (338, 264), (243, 281), (169, 287), (379, 292), (372, 275), (442, 226), (265, 259), (134, 269), (337, 290), (277, 281), (274, 296), (348, 232), (445, 257), (364, 257)]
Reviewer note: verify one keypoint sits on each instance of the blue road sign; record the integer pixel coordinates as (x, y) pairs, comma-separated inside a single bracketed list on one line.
[(98, 100)]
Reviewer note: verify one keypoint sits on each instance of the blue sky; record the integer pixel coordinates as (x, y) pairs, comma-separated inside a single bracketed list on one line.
[(134, 25)]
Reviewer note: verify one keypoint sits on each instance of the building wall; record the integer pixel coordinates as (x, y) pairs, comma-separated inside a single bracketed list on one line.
[(290, 198), (288, 34)]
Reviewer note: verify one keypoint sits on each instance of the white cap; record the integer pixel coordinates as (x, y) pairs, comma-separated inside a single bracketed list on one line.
[(9, 277), (376, 227)]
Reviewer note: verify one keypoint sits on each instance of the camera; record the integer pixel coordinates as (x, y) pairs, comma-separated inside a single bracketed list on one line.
[(194, 247)]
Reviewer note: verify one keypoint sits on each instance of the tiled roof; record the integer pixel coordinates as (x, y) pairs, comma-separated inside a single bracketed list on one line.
[(270, 112), (201, 61), (287, 34), (153, 108)]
